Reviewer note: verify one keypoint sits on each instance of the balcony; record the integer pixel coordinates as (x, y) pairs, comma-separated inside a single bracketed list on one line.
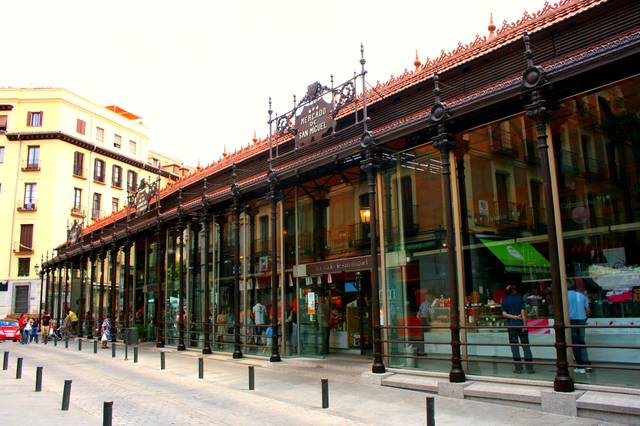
[(30, 166), (77, 212), (20, 248), (98, 214), (29, 205), (499, 147), (511, 215)]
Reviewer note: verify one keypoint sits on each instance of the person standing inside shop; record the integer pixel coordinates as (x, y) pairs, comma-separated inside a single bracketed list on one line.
[(259, 318), (424, 315), (514, 310), (578, 312)]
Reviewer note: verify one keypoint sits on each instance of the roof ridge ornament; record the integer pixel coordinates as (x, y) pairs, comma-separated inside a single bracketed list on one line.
[(534, 75)]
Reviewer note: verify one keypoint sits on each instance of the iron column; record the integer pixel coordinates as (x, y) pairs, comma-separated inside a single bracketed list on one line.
[(273, 195), (204, 220), (83, 262), (114, 288), (181, 346)]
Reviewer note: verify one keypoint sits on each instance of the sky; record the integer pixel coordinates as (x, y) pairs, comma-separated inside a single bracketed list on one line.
[(200, 72)]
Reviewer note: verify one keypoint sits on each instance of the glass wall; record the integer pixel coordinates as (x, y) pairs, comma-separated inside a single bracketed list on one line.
[(172, 301), (223, 311), (417, 296), (596, 139)]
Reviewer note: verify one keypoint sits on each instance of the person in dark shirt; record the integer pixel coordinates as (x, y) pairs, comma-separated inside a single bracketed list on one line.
[(513, 309), (46, 320)]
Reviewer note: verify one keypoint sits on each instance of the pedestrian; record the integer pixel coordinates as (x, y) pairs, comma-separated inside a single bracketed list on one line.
[(578, 312), (424, 315), (514, 309), (221, 329), (35, 327), (21, 324), (26, 331), (105, 331), (46, 320)]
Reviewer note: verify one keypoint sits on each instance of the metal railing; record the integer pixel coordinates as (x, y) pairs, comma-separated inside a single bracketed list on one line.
[(27, 205)]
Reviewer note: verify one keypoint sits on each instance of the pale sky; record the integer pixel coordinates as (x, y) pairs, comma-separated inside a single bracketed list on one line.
[(200, 72)]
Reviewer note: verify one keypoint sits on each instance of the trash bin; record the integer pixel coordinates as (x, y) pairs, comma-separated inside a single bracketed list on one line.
[(131, 336)]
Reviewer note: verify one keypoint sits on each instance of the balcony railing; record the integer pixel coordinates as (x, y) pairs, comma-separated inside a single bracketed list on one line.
[(28, 205), (77, 212), (21, 248), (513, 214), (30, 166), (499, 147), (98, 214)]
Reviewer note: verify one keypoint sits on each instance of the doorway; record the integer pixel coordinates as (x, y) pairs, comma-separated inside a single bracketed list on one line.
[(335, 314)]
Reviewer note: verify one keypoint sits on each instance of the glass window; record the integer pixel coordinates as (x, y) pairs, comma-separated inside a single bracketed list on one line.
[(133, 147), (24, 266), (116, 176), (132, 180), (98, 170), (29, 202), (115, 204), (97, 197), (34, 119), (81, 126), (1, 154), (597, 152), (99, 134), (78, 163), (33, 157), (26, 237), (77, 198), (3, 123), (117, 141)]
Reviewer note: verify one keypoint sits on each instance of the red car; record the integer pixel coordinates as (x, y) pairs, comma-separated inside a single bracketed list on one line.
[(9, 330)]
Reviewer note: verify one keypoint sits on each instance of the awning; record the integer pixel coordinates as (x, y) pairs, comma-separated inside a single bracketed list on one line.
[(518, 257)]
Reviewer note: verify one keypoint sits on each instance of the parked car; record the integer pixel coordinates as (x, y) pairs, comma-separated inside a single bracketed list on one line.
[(9, 330)]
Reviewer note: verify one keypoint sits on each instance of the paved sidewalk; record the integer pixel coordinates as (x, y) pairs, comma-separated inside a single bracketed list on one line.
[(285, 394)]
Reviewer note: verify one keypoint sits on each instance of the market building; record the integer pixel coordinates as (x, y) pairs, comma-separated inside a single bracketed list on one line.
[(511, 160), (65, 162)]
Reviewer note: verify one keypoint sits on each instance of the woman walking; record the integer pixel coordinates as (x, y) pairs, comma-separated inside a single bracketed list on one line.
[(106, 332)]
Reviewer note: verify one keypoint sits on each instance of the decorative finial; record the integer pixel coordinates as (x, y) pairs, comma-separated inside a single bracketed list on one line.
[(436, 87), (362, 60), (491, 28), (527, 49), (270, 109), (255, 138), (417, 62), (224, 151)]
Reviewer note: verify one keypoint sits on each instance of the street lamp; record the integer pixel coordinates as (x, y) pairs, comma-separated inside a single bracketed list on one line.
[(365, 215), (440, 234)]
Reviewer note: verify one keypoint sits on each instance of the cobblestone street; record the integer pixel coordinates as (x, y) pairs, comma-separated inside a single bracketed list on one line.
[(285, 394)]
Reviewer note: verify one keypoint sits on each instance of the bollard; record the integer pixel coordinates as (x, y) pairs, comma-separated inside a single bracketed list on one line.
[(325, 393), (252, 379), (66, 395), (200, 368), (162, 365), (55, 341), (113, 350), (79, 344), (126, 351), (5, 361), (38, 379), (19, 369), (107, 413), (135, 354), (66, 343), (431, 411), (95, 346)]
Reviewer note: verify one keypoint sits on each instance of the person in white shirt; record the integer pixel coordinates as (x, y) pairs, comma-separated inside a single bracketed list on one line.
[(259, 318)]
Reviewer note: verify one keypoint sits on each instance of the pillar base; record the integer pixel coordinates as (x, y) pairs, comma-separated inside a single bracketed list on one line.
[(378, 368), (237, 354), (563, 384), (275, 358), (181, 347), (457, 376), (159, 344), (206, 350), (452, 390), (563, 403)]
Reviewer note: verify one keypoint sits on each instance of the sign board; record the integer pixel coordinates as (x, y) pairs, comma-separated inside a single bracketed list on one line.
[(313, 122), (351, 264)]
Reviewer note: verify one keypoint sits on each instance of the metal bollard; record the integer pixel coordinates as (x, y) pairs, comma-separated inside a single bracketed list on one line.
[(66, 395), (55, 342), (200, 368), (19, 369), (431, 411), (107, 413), (95, 346), (325, 393), (126, 351), (162, 364), (113, 350), (66, 343), (5, 360), (79, 344), (38, 379), (135, 354), (252, 379)]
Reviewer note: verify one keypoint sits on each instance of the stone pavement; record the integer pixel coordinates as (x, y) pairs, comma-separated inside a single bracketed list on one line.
[(285, 394)]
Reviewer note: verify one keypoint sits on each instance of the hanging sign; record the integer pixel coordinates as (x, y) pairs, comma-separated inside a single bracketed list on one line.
[(313, 122)]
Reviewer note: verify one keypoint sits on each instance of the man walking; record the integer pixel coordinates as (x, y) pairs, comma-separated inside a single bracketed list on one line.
[(578, 311), (514, 309)]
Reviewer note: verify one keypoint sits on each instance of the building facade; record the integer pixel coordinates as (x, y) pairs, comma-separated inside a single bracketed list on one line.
[(510, 161), (63, 161)]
